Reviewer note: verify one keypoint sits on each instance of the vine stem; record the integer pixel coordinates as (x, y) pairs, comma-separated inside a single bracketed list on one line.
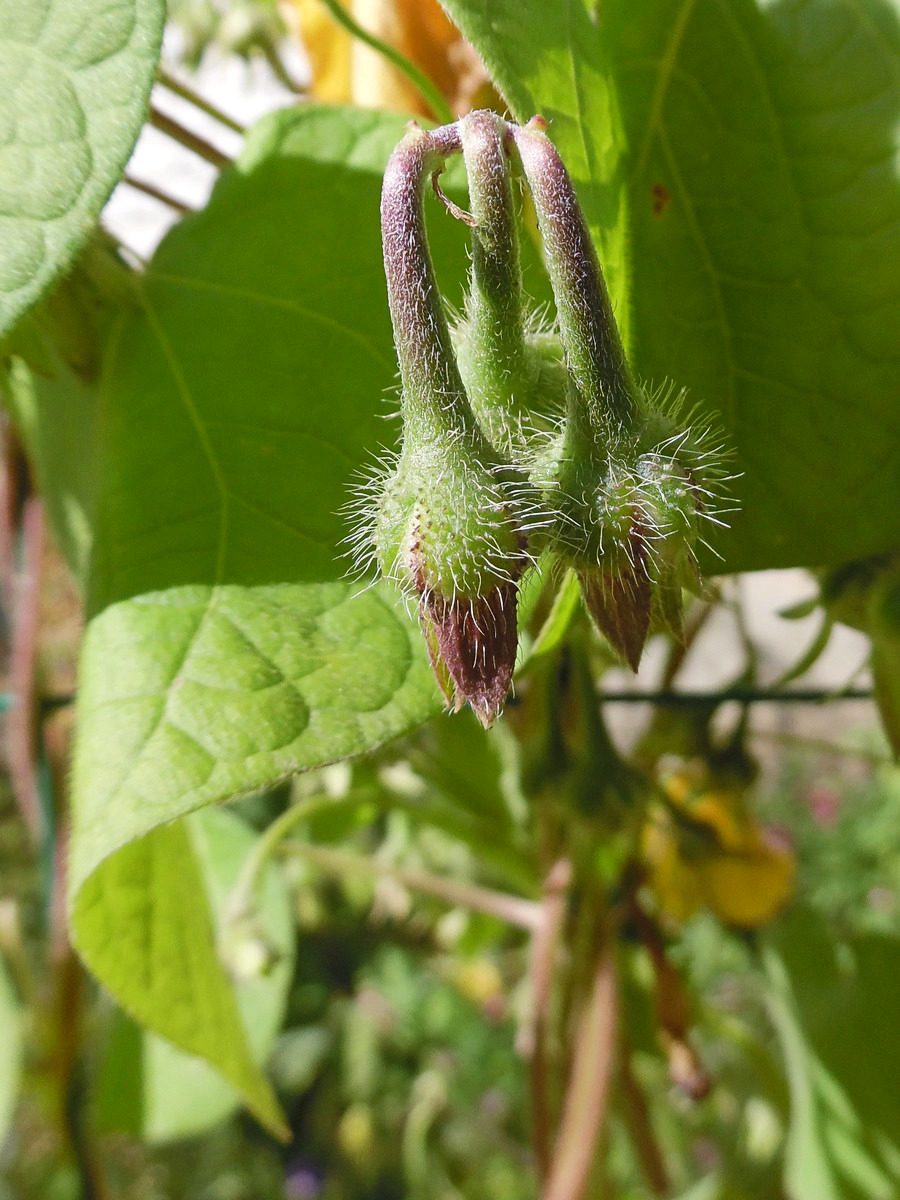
[(191, 141), (742, 695), (513, 910), (420, 81), (587, 1095), (171, 84), (157, 194), (531, 1039), (640, 1129), (21, 730), (821, 746), (241, 901)]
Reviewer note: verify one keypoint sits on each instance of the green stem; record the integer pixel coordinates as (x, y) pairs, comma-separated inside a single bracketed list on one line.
[(640, 1129), (242, 896), (190, 141), (514, 910), (747, 695), (496, 302), (280, 71), (155, 193), (420, 81), (170, 83), (499, 373), (800, 741)]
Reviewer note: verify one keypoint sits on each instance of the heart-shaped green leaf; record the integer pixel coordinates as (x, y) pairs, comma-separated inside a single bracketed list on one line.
[(243, 400), (187, 697), (236, 404), (737, 164)]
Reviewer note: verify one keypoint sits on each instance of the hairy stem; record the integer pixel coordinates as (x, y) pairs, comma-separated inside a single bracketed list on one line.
[(602, 401), (434, 402), (495, 317)]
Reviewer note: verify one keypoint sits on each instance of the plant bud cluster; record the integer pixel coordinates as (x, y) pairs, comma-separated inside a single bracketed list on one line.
[(519, 439)]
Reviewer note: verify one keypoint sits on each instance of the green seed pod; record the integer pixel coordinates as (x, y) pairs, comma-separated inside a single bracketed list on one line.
[(447, 525)]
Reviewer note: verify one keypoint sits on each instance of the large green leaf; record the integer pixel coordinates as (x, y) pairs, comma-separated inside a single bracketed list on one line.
[(737, 162), (49, 372), (240, 403), (147, 1087), (187, 697), (144, 924), (842, 1049), (192, 695), (74, 80)]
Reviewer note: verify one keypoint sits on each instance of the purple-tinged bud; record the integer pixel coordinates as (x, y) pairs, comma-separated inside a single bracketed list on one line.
[(627, 484), (472, 644), (620, 599), (433, 400), (447, 526)]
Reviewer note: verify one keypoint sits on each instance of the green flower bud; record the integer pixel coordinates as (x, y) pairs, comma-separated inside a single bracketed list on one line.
[(447, 531), (628, 482), (448, 525)]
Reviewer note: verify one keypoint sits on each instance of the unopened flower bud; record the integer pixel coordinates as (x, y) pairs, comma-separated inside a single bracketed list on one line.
[(447, 526), (628, 484)]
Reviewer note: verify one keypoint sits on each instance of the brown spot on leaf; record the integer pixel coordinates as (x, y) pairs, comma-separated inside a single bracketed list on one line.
[(661, 197)]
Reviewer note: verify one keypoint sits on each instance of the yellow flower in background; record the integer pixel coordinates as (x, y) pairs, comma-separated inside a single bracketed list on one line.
[(347, 72), (702, 850), (478, 979)]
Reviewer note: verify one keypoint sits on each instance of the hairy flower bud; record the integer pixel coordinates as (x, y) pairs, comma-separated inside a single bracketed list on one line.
[(617, 488), (627, 484), (447, 532), (447, 526)]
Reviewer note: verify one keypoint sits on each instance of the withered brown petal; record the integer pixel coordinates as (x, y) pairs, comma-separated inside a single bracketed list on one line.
[(474, 641), (620, 604)]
